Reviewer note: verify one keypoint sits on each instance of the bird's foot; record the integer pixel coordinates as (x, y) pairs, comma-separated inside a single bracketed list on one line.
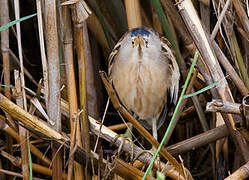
[(126, 136), (152, 151)]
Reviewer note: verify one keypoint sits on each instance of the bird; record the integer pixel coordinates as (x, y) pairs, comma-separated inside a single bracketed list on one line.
[(144, 73)]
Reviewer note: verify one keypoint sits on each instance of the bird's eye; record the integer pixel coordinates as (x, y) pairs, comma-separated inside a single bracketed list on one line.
[(133, 43), (146, 43)]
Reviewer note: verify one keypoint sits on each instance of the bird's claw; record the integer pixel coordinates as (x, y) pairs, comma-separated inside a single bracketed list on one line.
[(152, 151), (126, 136)]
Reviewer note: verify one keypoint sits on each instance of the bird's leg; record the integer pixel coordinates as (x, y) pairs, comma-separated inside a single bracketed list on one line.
[(154, 133), (154, 128), (152, 151), (126, 136)]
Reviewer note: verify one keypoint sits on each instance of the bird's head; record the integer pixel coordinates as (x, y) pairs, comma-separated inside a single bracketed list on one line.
[(140, 37)]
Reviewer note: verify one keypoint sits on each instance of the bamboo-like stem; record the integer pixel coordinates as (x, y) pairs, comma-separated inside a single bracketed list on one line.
[(133, 13), (23, 133), (71, 90), (82, 86), (53, 104)]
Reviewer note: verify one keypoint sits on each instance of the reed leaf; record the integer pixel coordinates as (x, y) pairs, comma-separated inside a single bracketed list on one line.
[(6, 26)]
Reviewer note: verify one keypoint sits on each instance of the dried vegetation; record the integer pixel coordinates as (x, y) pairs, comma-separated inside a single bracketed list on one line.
[(58, 122)]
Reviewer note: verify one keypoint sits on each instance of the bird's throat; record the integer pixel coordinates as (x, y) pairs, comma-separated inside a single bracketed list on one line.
[(140, 54)]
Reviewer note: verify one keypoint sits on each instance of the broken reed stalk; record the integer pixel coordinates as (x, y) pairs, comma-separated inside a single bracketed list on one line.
[(53, 104), (23, 133), (227, 107), (217, 105), (72, 97), (85, 136), (193, 23)]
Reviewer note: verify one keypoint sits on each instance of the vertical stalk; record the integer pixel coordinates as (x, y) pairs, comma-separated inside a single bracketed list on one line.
[(23, 133), (82, 85), (72, 97), (19, 42), (20, 85), (4, 15), (133, 13), (4, 19), (42, 49), (240, 60), (53, 103)]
